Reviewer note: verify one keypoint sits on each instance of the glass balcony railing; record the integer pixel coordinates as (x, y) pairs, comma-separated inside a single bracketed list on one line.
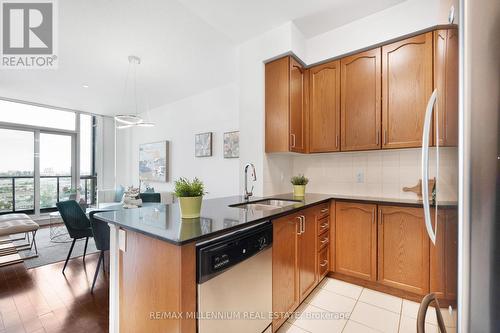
[(17, 193)]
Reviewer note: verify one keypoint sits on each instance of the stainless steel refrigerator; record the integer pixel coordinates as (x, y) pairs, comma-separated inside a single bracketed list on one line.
[(479, 161), (474, 249)]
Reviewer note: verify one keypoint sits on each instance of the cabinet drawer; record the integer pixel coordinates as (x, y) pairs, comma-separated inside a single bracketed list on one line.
[(323, 240), (323, 210), (323, 262), (323, 225)]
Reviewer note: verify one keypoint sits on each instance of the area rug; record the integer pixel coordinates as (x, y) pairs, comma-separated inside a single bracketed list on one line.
[(50, 252)]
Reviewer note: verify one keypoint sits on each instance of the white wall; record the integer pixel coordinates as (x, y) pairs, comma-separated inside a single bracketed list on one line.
[(402, 19), (214, 111)]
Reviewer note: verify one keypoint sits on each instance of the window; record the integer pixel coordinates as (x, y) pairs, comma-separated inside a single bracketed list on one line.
[(55, 169), (26, 114), (16, 170), (38, 146)]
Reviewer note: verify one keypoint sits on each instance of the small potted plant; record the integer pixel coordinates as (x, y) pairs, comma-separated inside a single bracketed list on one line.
[(190, 194), (299, 185)]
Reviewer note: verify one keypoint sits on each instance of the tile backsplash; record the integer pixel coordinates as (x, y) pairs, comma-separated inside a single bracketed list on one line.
[(381, 173)]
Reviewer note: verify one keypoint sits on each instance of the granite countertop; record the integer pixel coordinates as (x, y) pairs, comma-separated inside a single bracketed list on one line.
[(217, 216)]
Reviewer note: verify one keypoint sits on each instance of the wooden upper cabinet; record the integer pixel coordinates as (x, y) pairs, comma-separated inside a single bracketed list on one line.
[(285, 266), (356, 240), (324, 108), (403, 249), (284, 103), (446, 83), (406, 89), (360, 101), (277, 105)]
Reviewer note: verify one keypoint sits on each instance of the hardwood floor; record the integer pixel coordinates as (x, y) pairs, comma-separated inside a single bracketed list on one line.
[(44, 300)]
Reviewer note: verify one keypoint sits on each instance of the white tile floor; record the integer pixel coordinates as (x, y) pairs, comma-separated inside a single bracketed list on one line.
[(366, 311)]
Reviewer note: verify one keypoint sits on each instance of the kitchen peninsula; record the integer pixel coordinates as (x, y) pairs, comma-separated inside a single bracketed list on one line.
[(153, 253)]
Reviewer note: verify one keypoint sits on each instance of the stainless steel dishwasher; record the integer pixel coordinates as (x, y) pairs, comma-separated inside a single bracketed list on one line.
[(234, 275)]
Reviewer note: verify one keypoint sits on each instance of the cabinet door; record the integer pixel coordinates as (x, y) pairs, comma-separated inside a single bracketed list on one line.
[(444, 255), (277, 105), (360, 101), (446, 83), (297, 114), (308, 253), (285, 266), (403, 249), (356, 240), (324, 108), (406, 88)]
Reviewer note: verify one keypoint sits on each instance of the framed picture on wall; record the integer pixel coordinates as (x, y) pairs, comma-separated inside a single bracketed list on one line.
[(153, 161), (203, 144), (232, 144)]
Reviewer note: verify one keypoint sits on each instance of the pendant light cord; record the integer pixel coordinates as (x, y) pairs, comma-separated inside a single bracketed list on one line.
[(135, 88)]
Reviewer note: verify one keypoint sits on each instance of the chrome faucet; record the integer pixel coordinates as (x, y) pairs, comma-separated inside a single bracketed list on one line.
[(247, 193)]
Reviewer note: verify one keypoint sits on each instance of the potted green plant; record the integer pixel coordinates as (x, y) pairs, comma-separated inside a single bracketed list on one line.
[(299, 185), (190, 194)]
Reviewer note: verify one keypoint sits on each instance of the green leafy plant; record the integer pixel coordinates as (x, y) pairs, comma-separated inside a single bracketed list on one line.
[(299, 180), (186, 188)]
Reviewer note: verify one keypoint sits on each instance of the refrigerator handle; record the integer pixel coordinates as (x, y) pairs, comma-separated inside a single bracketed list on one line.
[(425, 166)]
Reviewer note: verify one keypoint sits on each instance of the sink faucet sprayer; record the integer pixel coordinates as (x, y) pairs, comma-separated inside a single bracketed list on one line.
[(247, 193)]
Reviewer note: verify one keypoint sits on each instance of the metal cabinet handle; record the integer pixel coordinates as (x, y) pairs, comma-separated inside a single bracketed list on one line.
[(324, 263), (300, 225), (293, 141), (303, 223)]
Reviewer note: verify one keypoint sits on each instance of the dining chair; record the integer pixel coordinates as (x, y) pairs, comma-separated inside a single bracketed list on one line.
[(76, 222), (150, 197), (100, 230)]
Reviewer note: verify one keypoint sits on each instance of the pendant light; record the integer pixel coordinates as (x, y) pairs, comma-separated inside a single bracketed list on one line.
[(124, 121)]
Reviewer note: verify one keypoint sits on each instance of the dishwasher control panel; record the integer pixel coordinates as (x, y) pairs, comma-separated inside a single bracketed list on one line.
[(225, 252)]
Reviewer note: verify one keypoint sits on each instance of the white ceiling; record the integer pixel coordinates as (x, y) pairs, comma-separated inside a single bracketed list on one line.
[(181, 55), (186, 46), (243, 19)]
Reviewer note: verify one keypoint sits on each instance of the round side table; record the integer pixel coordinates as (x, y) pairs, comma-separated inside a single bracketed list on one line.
[(58, 232)]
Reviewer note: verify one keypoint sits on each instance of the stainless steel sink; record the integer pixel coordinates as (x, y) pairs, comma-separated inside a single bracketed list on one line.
[(267, 204)]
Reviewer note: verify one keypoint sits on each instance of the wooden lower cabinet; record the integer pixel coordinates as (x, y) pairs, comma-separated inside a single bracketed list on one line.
[(296, 259), (443, 257), (285, 266), (403, 249), (308, 277), (356, 240)]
